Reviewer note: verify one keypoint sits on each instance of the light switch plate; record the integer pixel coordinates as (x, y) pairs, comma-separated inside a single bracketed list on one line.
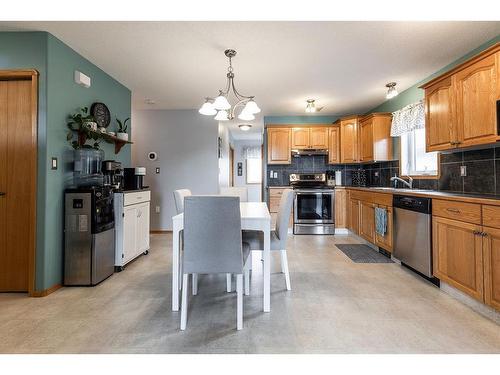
[(271, 174), (157, 209), (275, 174), (53, 164), (157, 170)]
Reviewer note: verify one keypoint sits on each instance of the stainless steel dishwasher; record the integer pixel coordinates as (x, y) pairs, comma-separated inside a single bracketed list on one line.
[(412, 232)]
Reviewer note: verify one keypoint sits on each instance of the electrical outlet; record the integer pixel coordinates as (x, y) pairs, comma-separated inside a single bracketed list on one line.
[(463, 170), (157, 170), (157, 209), (271, 174), (275, 174)]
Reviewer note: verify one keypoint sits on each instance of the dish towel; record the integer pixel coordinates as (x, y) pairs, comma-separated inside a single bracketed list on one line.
[(380, 220)]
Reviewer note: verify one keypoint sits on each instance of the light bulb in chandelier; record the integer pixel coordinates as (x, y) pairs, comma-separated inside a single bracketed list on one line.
[(207, 109), (246, 116), (251, 107), (310, 106), (391, 90), (221, 103), (222, 116)]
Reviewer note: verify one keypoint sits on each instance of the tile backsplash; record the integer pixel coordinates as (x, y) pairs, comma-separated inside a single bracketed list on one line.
[(482, 172)]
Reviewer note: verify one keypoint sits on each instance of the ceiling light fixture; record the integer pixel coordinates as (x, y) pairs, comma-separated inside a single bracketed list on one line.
[(391, 90), (221, 107), (311, 106), (245, 127)]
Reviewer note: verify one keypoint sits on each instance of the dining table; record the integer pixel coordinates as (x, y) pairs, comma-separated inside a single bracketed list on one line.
[(254, 216)]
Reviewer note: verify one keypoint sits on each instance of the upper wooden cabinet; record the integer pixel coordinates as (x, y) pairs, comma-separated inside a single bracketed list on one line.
[(375, 142), (309, 138), (349, 140), (334, 145), (461, 104), (279, 146)]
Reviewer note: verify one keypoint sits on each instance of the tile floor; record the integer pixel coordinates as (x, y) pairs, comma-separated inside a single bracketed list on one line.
[(336, 306)]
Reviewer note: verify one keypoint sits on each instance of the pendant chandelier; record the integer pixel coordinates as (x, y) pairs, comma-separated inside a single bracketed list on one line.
[(220, 106)]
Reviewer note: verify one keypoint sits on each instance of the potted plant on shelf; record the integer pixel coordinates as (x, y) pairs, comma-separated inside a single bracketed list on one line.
[(85, 127), (121, 132)]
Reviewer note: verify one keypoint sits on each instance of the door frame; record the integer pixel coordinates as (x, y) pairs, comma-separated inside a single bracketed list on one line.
[(30, 74), (231, 165)]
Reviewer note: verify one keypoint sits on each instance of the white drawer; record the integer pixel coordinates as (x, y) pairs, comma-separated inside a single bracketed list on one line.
[(136, 197)]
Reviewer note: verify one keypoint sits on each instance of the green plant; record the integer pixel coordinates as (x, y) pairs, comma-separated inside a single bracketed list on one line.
[(77, 123), (122, 126)]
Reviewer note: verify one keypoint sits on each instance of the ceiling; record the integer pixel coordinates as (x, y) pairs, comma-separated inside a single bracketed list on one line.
[(343, 65)]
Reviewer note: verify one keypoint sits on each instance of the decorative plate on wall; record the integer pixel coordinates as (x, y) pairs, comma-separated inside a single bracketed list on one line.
[(101, 114)]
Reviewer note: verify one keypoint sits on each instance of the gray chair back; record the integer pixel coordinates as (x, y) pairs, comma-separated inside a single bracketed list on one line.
[(212, 235), (179, 196), (283, 216)]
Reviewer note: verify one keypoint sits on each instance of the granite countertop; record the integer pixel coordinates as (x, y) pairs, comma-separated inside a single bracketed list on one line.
[(472, 198)]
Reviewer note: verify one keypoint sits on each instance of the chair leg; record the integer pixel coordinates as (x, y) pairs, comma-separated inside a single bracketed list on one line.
[(228, 283), (195, 284), (181, 269), (247, 282), (184, 304), (284, 267), (239, 298)]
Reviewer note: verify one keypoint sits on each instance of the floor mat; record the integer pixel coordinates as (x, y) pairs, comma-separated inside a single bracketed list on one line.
[(363, 254)]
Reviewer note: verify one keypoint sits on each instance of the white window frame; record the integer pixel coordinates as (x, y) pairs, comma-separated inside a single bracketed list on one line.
[(408, 155)]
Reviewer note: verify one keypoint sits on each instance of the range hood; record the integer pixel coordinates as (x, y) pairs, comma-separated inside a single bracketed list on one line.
[(310, 151)]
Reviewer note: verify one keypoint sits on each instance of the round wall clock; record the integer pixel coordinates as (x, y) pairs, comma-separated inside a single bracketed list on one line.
[(101, 114)]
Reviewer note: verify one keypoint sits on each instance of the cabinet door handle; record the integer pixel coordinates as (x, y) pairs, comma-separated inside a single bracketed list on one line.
[(454, 210), (2, 193), (484, 234)]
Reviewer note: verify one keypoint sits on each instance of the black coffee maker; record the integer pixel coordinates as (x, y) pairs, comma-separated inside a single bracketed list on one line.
[(133, 178), (113, 174)]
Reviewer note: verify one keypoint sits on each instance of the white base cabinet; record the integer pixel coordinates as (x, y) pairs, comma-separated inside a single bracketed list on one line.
[(131, 225)]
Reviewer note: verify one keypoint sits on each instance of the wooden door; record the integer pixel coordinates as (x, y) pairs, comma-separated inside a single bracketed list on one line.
[(366, 140), (458, 255), (349, 141), (491, 257), (318, 137), (278, 146), (440, 129), (367, 221), (334, 145), (17, 183), (476, 95), (354, 215), (300, 138), (129, 232), (385, 241)]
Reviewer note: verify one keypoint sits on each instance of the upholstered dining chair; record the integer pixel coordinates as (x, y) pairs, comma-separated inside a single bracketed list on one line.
[(179, 196), (212, 244), (235, 191), (278, 236)]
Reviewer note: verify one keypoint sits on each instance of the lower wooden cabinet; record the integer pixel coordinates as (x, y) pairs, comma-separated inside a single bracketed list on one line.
[(367, 221), (341, 208), (353, 215), (385, 241), (458, 255), (491, 260)]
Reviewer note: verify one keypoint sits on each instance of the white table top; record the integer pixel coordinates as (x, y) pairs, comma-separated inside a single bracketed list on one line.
[(249, 211)]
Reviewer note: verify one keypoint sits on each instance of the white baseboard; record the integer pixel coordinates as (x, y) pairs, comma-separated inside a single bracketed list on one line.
[(341, 231), (475, 305)]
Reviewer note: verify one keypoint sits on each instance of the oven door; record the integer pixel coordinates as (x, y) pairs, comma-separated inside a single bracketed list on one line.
[(314, 207)]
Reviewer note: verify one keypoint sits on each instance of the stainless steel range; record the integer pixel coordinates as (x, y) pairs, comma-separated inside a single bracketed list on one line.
[(314, 205)]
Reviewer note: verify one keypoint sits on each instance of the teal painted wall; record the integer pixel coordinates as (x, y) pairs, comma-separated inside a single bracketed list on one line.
[(414, 94), (299, 119), (59, 96)]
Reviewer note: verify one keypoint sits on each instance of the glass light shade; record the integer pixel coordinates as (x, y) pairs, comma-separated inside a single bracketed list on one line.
[(251, 107), (392, 91), (246, 116), (207, 109), (221, 103), (245, 127), (310, 107), (222, 116)]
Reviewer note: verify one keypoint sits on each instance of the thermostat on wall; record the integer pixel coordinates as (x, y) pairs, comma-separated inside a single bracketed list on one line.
[(82, 79), (152, 155)]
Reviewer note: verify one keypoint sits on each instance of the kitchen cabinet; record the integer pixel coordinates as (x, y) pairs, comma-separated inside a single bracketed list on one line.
[(340, 208), (334, 145), (279, 146), (375, 142), (367, 221), (461, 104), (304, 138), (353, 215), (349, 140), (491, 258), (275, 194), (458, 255), (385, 241), (132, 225)]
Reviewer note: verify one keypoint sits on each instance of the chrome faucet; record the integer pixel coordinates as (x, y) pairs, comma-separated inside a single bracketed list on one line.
[(408, 183)]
